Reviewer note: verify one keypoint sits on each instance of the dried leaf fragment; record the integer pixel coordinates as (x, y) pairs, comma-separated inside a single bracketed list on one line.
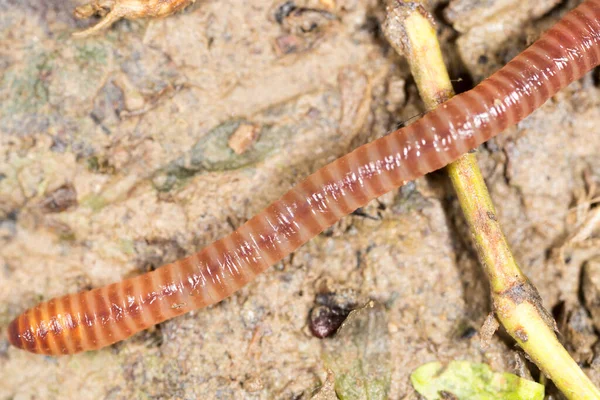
[(113, 10)]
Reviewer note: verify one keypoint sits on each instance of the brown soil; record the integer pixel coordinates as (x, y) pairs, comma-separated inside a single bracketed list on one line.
[(94, 133)]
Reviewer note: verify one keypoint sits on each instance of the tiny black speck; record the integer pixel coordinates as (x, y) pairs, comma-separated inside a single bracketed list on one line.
[(284, 10), (468, 333)]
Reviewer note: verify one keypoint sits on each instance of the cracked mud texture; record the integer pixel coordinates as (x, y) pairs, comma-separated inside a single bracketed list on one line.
[(88, 126)]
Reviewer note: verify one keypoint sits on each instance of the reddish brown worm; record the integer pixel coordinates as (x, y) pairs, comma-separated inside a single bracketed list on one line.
[(93, 319)]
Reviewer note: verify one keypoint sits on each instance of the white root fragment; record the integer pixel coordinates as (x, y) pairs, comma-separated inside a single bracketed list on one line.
[(114, 10)]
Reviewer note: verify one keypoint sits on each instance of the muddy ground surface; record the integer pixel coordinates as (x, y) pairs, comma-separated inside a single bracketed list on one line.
[(114, 160)]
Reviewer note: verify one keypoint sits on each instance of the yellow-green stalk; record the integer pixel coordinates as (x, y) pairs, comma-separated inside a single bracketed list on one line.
[(516, 302)]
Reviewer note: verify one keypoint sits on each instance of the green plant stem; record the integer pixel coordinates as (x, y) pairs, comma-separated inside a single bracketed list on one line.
[(517, 304)]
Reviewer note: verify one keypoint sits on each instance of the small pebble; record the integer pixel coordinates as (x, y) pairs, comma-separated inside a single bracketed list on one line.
[(243, 138)]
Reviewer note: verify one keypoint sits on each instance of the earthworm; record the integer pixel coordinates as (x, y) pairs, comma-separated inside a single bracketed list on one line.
[(93, 319)]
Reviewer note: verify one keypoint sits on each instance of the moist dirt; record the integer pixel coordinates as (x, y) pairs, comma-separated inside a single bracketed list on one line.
[(130, 149)]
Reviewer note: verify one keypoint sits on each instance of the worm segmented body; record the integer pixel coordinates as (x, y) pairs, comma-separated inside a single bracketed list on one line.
[(97, 318)]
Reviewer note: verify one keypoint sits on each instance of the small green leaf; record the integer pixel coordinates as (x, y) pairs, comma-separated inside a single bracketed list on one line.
[(473, 381)]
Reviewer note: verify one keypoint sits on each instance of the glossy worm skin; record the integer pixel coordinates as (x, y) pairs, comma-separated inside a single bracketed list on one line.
[(93, 319)]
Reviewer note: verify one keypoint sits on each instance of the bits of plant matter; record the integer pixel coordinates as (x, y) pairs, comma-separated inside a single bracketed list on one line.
[(113, 10), (243, 138)]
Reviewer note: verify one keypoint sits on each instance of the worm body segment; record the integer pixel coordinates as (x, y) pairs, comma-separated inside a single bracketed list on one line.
[(93, 319)]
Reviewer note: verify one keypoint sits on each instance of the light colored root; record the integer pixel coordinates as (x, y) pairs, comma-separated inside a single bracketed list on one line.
[(114, 10), (110, 18)]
